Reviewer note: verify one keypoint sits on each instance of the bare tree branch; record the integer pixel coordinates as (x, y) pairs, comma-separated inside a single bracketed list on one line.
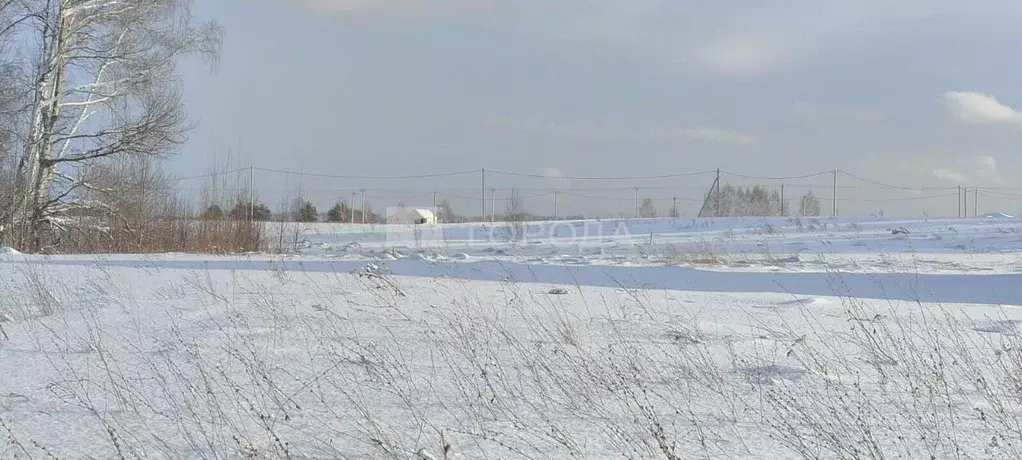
[(104, 87)]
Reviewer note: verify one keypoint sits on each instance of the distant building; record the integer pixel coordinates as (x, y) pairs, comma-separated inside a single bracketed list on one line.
[(412, 217)]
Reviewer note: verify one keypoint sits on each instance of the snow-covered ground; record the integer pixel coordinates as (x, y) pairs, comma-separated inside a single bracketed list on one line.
[(726, 338), (746, 244)]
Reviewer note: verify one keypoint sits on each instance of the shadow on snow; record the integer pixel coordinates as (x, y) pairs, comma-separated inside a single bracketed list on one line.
[(940, 288)]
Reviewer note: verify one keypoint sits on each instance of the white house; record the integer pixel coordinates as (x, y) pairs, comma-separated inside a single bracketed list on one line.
[(412, 217)]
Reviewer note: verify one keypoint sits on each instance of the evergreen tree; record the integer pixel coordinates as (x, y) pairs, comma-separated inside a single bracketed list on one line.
[(260, 212), (340, 212), (307, 212), (213, 213)]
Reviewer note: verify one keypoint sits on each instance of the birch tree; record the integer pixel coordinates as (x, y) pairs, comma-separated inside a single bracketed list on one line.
[(647, 210), (514, 216), (12, 92), (9, 112), (809, 205), (104, 85)]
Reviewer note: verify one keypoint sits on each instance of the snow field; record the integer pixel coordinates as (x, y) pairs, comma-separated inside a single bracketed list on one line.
[(731, 244), (198, 357)]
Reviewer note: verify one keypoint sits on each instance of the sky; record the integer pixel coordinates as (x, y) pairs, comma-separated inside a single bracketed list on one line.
[(912, 94)]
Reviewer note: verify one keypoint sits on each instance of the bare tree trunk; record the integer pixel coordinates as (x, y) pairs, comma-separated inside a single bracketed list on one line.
[(29, 180), (40, 190)]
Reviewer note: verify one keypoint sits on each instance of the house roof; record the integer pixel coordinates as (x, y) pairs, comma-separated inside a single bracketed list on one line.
[(424, 213), (413, 213)]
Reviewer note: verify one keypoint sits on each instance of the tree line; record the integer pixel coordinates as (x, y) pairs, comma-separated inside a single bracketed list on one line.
[(757, 201), (300, 210)]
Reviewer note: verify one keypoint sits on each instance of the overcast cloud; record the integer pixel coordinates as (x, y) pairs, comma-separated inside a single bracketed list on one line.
[(912, 93)]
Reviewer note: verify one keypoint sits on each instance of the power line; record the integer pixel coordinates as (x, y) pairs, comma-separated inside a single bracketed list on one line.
[(611, 198), (595, 192), (998, 194), (338, 176), (803, 176), (212, 174), (540, 176), (897, 187), (661, 176), (498, 198), (913, 198), (371, 195)]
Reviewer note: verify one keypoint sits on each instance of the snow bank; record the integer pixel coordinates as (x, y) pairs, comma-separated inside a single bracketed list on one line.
[(7, 251)]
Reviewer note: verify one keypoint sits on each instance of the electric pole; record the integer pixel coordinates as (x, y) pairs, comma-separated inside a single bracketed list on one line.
[(965, 194), (782, 200), (716, 193), (251, 193), (833, 201)]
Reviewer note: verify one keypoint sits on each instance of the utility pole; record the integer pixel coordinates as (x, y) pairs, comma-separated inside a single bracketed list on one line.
[(833, 201), (975, 202), (716, 193), (636, 202), (351, 207), (965, 194), (674, 207), (493, 206), (363, 206), (251, 193), (555, 204), (782, 200), (482, 195)]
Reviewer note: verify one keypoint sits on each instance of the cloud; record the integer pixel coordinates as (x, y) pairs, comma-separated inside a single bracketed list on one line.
[(745, 38), (740, 38), (738, 57), (978, 108), (705, 133), (838, 114), (948, 175), (971, 170), (555, 178), (584, 130), (391, 8), (607, 131)]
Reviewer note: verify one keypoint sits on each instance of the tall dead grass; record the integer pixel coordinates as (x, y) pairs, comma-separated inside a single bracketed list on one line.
[(136, 208), (288, 364)]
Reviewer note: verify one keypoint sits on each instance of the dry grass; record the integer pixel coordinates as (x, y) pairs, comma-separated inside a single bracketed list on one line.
[(176, 230), (134, 208), (518, 373)]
